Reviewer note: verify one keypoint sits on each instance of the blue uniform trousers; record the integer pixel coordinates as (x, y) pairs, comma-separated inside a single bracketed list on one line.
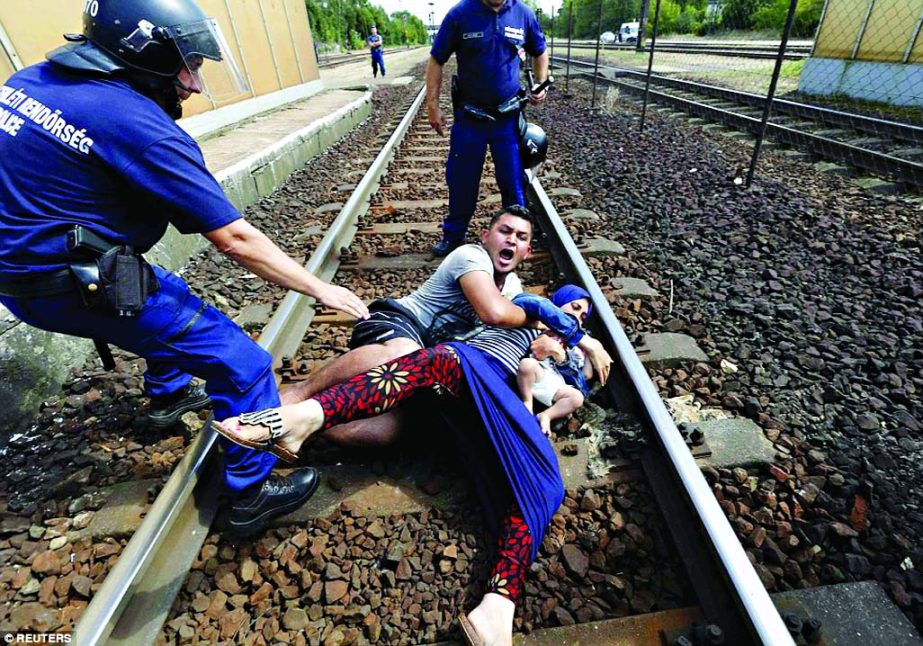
[(378, 61), (467, 150), (179, 335)]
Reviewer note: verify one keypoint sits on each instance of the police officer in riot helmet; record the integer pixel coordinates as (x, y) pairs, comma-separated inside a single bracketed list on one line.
[(93, 168)]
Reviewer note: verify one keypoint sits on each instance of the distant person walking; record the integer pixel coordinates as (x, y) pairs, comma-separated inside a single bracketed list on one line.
[(378, 57)]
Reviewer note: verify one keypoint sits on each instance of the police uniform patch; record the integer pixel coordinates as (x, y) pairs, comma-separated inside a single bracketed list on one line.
[(514, 32), (473, 34)]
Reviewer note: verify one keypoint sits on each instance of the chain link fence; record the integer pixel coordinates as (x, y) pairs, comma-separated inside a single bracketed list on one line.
[(839, 80)]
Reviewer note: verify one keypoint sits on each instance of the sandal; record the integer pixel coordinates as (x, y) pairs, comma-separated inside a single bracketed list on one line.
[(468, 632), (269, 419)]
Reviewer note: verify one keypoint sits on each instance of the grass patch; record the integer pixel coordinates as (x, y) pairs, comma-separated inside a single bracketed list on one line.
[(792, 69)]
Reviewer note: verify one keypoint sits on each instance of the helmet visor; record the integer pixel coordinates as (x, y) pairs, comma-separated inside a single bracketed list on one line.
[(205, 51)]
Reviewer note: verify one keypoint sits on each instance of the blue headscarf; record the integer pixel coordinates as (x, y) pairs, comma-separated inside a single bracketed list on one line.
[(567, 293)]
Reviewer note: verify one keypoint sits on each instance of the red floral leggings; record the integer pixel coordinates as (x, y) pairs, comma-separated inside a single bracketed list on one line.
[(384, 387)]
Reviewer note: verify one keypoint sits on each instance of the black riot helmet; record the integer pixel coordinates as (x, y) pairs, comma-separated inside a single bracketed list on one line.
[(533, 145), (152, 40)]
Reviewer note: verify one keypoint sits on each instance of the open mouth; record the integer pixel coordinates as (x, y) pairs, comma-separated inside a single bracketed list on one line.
[(506, 254)]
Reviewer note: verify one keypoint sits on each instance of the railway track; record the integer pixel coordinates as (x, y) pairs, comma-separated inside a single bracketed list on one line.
[(342, 59), (889, 149), (139, 591)]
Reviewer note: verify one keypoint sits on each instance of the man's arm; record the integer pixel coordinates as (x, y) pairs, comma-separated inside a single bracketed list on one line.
[(490, 306), (433, 87), (251, 249)]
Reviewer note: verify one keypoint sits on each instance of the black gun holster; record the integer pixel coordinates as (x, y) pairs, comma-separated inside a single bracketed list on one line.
[(126, 280), (456, 99), (111, 277)]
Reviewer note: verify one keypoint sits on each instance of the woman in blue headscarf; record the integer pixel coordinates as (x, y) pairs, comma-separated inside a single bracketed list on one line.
[(558, 382)]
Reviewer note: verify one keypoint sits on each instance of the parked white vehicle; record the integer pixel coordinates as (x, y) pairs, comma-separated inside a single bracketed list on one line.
[(628, 32)]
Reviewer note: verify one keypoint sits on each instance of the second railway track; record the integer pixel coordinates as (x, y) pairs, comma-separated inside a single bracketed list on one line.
[(888, 149)]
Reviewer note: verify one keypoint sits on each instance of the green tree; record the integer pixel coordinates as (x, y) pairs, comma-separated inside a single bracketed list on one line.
[(772, 17), (738, 14), (347, 23)]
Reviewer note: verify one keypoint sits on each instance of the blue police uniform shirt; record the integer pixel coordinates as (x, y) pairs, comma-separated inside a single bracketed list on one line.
[(488, 47), (76, 149), (375, 38)]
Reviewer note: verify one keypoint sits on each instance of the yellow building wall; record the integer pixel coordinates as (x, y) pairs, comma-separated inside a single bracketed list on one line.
[(837, 34), (304, 40), (891, 25), (271, 40), (888, 30), (6, 67)]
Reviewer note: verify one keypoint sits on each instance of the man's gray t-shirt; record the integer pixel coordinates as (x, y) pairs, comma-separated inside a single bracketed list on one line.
[(440, 304)]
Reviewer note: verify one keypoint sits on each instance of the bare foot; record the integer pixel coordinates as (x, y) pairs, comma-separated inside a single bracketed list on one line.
[(493, 620), (544, 421), (299, 421)]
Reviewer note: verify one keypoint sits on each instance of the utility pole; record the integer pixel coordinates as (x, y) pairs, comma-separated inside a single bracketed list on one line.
[(642, 24)]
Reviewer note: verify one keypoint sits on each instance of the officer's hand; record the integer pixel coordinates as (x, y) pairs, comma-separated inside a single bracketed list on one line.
[(535, 99), (340, 298), (436, 119)]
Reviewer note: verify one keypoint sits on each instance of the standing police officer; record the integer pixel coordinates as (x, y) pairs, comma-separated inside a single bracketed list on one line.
[(490, 39), (92, 169), (378, 55)]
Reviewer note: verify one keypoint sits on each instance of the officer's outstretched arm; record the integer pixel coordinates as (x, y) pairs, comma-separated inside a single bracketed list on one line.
[(250, 248), (433, 86), (490, 306)]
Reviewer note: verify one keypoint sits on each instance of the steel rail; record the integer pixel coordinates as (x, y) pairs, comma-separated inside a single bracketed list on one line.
[(343, 228), (870, 125), (107, 618), (743, 608)]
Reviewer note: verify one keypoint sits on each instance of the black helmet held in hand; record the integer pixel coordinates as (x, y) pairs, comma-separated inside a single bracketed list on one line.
[(533, 145)]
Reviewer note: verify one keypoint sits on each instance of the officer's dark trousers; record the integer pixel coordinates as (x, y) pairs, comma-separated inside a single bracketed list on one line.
[(178, 335), (467, 150), (378, 62)]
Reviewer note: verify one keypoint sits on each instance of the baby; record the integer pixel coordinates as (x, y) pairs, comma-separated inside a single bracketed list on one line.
[(559, 381)]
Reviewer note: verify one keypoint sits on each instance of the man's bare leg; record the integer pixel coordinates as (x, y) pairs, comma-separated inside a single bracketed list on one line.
[(382, 430), (352, 363)]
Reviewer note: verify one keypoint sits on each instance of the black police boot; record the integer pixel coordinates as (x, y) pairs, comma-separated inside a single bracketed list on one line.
[(251, 512), (166, 410), (445, 247)]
